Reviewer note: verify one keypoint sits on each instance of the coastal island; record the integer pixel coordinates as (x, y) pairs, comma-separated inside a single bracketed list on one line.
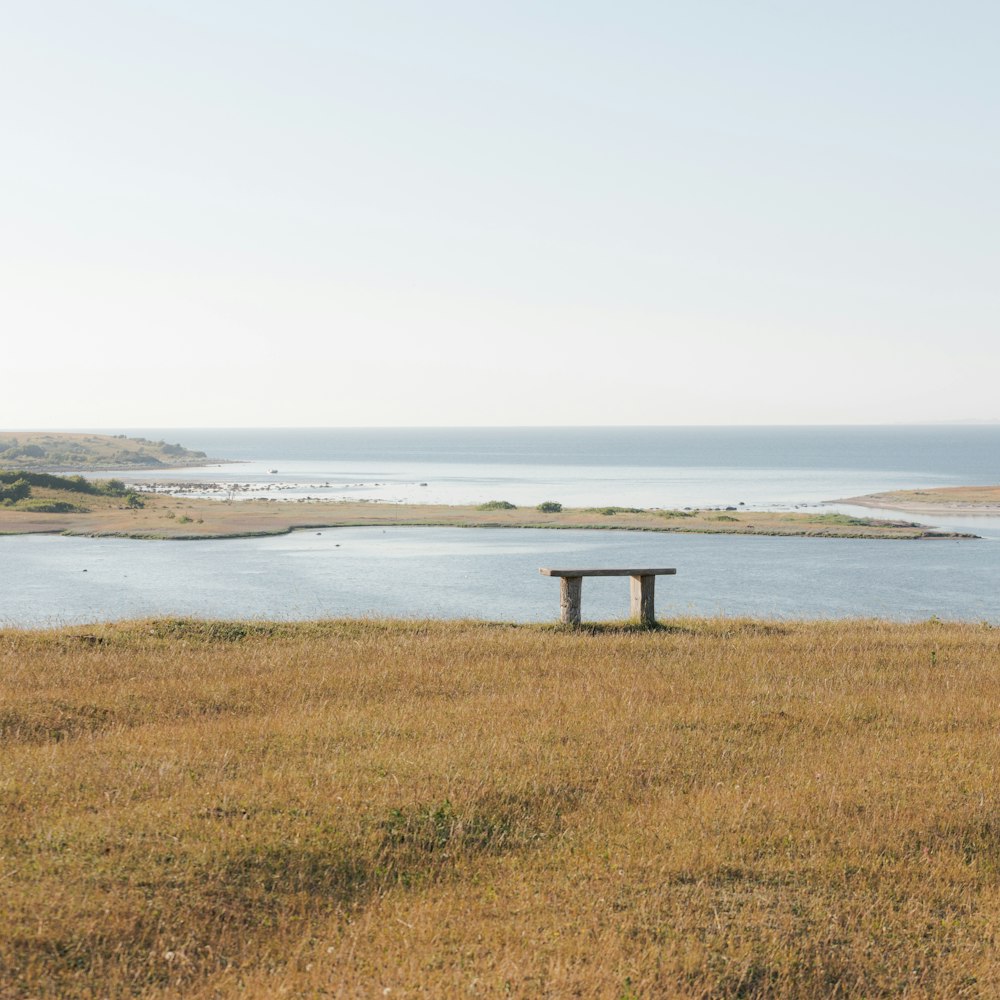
[(32, 503)]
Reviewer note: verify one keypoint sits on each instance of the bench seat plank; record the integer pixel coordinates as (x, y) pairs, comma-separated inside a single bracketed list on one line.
[(607, 572)]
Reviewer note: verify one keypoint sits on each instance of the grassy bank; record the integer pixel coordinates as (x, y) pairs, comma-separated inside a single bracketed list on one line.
[(151, 515), (715, 808)]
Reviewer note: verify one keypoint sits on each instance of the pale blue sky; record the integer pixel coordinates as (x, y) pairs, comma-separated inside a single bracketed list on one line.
[(248, 213)]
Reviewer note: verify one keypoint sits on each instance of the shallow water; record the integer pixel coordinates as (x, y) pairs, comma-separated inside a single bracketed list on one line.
[(489, 574)]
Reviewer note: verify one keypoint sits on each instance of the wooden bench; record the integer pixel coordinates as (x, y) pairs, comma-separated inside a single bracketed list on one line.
[(571, 584)]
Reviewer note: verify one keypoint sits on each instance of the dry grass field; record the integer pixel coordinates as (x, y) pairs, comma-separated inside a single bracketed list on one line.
[(715, 808)]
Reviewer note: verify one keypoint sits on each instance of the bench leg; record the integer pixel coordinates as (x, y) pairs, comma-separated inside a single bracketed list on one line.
[(641, 589), (569, 599)]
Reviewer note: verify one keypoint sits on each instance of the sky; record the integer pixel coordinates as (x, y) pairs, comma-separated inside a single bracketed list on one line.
[(317, 213)]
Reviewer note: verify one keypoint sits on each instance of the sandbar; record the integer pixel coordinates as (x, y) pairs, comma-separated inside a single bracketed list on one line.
[(984, 500)]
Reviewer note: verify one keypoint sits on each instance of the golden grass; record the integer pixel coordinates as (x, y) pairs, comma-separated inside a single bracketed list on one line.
[(166, 516), (717, 808)]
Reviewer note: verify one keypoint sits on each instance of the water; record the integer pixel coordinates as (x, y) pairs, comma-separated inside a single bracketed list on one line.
[(493, 574), (490, 574), (775, 467), (961, 451)]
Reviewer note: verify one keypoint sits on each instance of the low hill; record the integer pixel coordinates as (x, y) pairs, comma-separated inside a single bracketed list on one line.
[(55, 451)]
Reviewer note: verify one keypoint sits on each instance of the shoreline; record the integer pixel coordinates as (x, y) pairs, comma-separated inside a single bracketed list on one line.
[(982, 501), (123, 472)]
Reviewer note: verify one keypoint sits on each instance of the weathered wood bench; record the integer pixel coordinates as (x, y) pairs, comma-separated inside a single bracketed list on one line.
[(642, 586)]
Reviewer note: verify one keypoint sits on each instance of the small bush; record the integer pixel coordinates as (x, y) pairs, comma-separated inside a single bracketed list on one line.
[(20, 489), (110, 487), (549, 507), (497, 505), (134, 458), (608, 511), (14, 450), (846, 520), (51, 507), (133, 501)]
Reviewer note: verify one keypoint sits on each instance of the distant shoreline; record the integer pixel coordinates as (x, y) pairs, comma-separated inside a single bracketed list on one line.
[(983, 501)]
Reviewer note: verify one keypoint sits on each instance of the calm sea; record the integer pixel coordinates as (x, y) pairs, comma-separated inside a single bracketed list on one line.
[(493, 574), (633, 466)]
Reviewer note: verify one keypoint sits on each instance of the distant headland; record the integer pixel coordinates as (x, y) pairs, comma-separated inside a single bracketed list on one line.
[(55, 451)]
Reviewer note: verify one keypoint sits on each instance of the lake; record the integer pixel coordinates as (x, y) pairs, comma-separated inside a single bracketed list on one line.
[(490, 574)]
